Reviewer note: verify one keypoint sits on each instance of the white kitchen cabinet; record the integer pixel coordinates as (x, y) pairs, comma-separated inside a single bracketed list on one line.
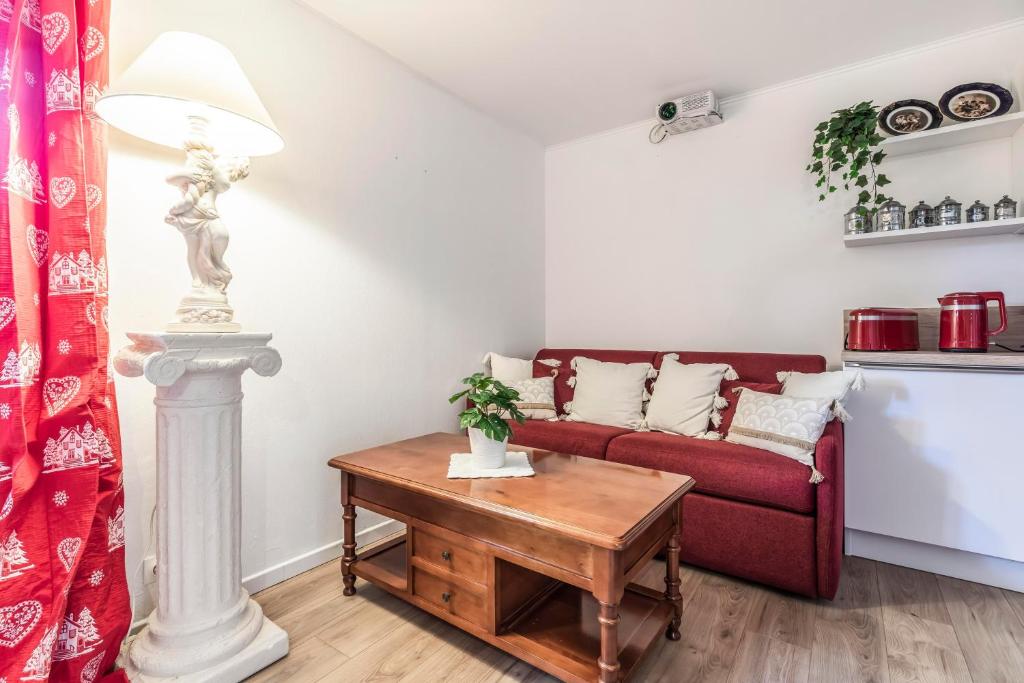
[(935, 471)]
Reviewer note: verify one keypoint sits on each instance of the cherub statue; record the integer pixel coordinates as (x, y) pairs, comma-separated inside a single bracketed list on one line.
[(204, 177)]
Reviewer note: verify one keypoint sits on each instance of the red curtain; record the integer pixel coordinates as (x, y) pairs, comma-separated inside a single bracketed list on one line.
[(64, 606)]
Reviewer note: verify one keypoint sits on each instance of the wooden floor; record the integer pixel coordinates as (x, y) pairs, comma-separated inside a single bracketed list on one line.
[(888, 624)]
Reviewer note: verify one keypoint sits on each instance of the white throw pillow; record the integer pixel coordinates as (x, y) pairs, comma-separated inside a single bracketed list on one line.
[(536, 397), (507, 370), (834, 385), (685, 398), (608, 393), (787, 425)]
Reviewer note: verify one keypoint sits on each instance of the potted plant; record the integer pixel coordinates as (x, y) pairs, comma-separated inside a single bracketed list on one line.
[(848, 142), (490, 403)]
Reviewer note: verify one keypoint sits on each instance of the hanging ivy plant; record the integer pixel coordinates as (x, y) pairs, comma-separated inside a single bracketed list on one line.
[(847, 142)]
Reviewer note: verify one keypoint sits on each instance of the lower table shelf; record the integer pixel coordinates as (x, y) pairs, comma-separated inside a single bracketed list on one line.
[(385, 563), (563, 627)]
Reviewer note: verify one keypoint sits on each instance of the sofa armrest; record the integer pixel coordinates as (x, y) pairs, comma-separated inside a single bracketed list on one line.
[(828, 458)]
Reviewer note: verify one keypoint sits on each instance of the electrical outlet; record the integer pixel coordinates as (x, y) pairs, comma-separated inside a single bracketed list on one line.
[(149, 570)]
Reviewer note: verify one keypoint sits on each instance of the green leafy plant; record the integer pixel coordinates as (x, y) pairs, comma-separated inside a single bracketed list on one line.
[(847, 142), (492, 402)]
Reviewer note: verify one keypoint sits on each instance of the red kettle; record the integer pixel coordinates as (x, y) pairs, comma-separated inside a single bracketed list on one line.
[(963, 321)]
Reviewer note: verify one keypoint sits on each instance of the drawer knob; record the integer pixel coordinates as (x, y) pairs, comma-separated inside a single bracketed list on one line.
[(446, 597), (446, 555)]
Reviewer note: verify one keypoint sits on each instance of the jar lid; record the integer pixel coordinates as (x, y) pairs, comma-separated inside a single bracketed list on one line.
[(1006, 201), (978, 205), (922, 206), (948, 202), (891, 204), (857, 211)]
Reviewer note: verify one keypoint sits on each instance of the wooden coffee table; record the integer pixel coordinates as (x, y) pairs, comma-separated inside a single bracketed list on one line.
[(539, 567)]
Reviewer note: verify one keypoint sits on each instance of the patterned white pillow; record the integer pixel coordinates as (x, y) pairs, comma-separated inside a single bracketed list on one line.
[(685, 398), (834, 385), (536, 397), (787, 425), (608, 393)]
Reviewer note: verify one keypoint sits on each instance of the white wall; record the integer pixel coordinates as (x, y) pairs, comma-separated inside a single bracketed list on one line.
[(396, 239), (715, 240)]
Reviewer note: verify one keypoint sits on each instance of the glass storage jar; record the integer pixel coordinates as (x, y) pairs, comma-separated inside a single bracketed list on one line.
[(947, 212), (1005, 208), (892, 216), (977, 212), (922, 216), (857, 221)]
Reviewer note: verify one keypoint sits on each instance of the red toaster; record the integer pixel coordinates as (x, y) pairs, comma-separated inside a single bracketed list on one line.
[(883, 329)]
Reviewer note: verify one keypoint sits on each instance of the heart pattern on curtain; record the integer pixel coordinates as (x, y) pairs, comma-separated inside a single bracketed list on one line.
[(64, 606)]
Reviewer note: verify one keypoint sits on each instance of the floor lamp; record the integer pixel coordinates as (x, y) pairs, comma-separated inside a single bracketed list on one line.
[(188, 92)]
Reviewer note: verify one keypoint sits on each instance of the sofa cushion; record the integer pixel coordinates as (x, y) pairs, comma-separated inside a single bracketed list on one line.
[(733, 398), (609, 393), (719, 468), (506, 369), (576, 438), (563, 392)]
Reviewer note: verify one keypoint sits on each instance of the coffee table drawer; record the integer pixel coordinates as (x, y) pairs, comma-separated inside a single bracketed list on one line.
[(450, 555), (450, 597)]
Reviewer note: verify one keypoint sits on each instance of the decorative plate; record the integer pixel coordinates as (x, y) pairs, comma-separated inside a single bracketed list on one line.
[(975, 101), (909, 116)]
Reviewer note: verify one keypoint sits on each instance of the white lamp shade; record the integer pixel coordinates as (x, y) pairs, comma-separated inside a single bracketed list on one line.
[(176, 76)]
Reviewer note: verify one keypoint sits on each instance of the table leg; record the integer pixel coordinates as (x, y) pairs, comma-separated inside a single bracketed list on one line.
[(609, 661), (348, 543), (672, 581)]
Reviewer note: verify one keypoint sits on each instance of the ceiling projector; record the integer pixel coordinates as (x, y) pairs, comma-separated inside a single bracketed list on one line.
[(683, 114)]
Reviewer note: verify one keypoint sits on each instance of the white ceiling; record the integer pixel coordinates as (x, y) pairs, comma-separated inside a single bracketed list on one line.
[(562, 69)]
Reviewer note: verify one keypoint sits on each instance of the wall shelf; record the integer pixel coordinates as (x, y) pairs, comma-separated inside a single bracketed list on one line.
[(1009, 226), (953, 135)]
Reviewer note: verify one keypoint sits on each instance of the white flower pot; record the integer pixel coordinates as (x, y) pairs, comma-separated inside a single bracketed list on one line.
[(488, 454)]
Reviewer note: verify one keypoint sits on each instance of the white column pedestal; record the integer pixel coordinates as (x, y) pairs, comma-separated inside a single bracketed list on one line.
[(205, 626)]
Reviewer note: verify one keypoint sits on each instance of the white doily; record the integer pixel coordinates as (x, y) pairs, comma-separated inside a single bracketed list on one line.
[(517, 464)]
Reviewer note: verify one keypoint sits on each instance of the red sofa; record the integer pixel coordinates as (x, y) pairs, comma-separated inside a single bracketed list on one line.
[(752, 513)]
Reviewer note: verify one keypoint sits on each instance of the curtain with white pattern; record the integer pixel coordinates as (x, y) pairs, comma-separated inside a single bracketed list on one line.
[(64, 606)]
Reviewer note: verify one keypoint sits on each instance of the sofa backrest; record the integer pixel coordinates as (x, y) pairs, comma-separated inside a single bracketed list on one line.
[(755, 367), (606, 355)]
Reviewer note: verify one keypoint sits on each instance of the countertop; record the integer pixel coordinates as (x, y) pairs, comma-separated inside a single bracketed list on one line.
[(993, 360)]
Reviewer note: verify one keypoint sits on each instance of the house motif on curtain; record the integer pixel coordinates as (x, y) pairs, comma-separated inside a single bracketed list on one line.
[(21, 369), (78, 447), (13, 560), (63, 91), (6, 10), (115, 530), (69, 275), (30, 15), (37, 668), (23, 179), (77, 636), (91, 94), (5, 73), (5, 472)]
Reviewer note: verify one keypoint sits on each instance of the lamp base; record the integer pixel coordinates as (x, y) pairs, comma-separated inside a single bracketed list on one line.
[(203, 310)]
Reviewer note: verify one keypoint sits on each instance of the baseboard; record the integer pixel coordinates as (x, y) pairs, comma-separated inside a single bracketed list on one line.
[(960, 564), (283, 571), (294, 566)]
